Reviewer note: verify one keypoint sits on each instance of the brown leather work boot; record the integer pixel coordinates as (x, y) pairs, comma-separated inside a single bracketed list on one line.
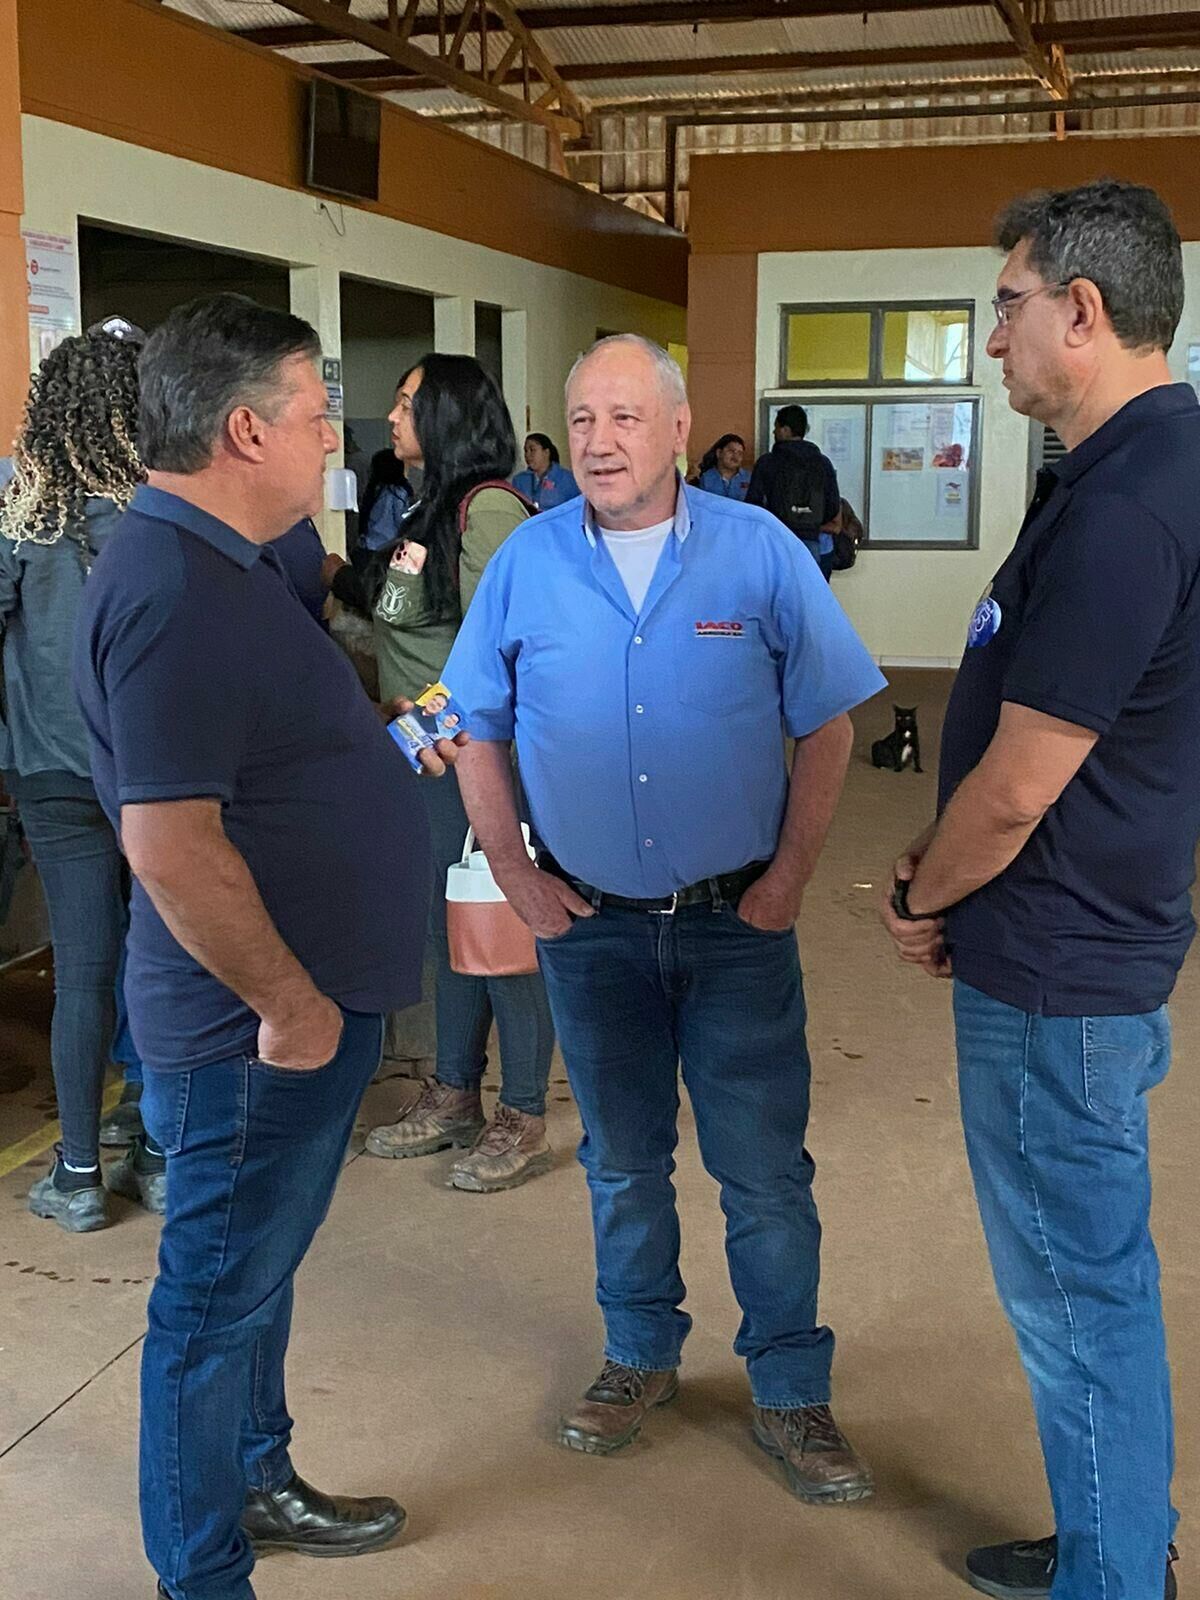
[(611, 1413), (816, 1456), (509, 1151), (438, 1118)]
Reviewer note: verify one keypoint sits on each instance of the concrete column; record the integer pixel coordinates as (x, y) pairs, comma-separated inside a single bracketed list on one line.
[(514, 355), (316, 295), (454, 325), (14, 292)]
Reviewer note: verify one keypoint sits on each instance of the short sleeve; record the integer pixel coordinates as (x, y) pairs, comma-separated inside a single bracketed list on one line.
[(826, 669), (1105, 588), (480, 672), (179, 700)]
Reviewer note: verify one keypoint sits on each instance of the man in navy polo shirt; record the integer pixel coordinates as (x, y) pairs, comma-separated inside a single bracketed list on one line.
[(648, 646), (234, 749), (1055, 884)]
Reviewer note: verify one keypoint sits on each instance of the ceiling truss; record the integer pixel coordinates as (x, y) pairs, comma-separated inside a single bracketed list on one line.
[(508, 55)]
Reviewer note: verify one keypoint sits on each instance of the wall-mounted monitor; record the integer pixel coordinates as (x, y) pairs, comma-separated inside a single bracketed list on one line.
[(342, 148)]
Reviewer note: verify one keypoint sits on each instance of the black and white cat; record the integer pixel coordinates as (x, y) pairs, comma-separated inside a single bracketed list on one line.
[(902, 745)]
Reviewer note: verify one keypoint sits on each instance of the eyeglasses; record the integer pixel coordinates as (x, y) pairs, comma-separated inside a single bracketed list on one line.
[(1004, 304), (119, 328)]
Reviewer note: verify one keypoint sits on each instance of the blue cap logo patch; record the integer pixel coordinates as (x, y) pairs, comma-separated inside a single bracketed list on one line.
[(985, 623)]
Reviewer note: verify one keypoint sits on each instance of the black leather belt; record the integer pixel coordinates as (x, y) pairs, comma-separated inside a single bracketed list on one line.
[(728, 886)]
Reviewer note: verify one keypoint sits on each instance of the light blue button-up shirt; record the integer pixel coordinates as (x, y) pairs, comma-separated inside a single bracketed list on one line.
[(650, 742)]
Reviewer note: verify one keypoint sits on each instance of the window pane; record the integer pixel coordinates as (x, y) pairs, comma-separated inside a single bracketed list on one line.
[(828, 347), (927, 346)]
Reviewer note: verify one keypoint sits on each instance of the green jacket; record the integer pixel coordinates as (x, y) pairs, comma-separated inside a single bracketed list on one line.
[(412, 645)]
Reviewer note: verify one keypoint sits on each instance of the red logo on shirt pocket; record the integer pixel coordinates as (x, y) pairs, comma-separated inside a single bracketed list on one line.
[(720, 630)]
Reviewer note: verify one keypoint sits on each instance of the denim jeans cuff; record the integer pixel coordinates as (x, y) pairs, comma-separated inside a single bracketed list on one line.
[(810, 1399), (639, 1363), (454, 1079), (272, 1473), (528, 1108)]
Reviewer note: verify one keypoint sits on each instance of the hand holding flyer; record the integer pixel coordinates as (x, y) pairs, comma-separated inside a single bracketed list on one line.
[(436, 715)]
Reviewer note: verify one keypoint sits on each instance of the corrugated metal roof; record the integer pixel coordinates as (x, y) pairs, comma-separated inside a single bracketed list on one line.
[(628, 157)]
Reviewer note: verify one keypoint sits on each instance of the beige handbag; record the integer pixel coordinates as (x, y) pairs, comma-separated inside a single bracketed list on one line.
[(487, 937)]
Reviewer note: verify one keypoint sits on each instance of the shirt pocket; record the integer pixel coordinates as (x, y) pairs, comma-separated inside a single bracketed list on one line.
[(724, 666)]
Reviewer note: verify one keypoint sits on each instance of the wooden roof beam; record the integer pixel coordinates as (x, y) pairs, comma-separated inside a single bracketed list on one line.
[(632, 14), (1172, 30), (570, 121), (1046, 62)]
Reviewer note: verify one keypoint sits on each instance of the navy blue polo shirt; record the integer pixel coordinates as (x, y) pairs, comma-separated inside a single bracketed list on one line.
[(201, 675), (1095, 618)]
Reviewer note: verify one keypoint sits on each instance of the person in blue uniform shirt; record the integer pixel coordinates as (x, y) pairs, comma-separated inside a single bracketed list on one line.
[(721, 469), (545, 480), (647, 647)]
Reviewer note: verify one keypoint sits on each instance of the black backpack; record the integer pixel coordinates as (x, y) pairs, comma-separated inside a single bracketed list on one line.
[(796, 490)]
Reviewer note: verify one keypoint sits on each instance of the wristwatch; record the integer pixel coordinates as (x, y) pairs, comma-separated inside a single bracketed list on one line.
[(900, 887)]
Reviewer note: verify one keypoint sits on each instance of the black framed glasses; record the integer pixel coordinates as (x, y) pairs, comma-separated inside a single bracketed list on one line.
[(119, 328)]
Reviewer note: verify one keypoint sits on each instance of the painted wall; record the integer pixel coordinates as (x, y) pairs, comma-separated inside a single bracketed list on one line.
[(13, 297), (152, 77), (913, 605), (549, 314)]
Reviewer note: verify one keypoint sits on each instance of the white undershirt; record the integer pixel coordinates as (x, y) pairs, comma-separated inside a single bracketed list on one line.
[(635, 556)]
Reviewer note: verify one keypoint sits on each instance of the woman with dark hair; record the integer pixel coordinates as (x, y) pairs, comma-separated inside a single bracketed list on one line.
[(545, 480), (721, 469), (76, 468), (451, 419)]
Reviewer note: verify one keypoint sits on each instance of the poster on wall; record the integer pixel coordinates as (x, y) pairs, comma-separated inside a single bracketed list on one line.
[(921, 472), (53, 287)]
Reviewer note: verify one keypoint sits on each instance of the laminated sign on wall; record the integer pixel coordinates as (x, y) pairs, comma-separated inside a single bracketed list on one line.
[(53, 292)]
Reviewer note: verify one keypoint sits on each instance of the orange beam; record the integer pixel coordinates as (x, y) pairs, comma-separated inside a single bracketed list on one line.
[(14, 294)]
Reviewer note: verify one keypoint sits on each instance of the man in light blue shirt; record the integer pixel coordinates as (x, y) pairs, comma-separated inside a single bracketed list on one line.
[(647, 647)]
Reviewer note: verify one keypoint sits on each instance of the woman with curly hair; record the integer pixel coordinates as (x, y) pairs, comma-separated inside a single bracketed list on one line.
[(76, 468)]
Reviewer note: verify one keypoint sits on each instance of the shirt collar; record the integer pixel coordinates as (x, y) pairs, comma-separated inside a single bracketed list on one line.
[(683, 515), (1156, 405), (166, 507)]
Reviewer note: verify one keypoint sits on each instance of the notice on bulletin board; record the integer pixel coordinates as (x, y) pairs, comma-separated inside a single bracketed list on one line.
[(920, 472), (53, 292)]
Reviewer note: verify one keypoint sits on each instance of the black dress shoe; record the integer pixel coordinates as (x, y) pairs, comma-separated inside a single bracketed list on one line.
[(301, 1518), (1024, 1570)]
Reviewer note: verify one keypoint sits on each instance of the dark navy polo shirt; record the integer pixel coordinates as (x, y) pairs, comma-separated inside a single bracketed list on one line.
[(1095, 618), (201, 675)]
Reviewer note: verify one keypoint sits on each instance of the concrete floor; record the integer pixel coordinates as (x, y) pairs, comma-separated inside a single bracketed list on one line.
[(437, 1332)]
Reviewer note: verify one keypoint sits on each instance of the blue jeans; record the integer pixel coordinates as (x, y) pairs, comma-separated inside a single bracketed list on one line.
[(466, 1006), (124, 1051), (633, 995), (1054, 1110), (81, 869), (253, 1155)]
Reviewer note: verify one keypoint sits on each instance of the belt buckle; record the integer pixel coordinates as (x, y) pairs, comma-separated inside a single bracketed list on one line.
[(669, 911)]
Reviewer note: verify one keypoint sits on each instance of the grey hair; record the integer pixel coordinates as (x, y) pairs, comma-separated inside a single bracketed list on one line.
[(209, 357), (668, 370), (1120, 237)]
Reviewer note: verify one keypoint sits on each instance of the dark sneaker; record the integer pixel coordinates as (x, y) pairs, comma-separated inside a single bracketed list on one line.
[(301, 1518), (611, 1413), (511, 1149), (1024, 1569), (438, 1118), (123, 1124), (75, 1200), (816, 1456), (141, 1177)]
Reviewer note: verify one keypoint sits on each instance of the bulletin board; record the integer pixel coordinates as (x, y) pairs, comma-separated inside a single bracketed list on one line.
[(910, 468)]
